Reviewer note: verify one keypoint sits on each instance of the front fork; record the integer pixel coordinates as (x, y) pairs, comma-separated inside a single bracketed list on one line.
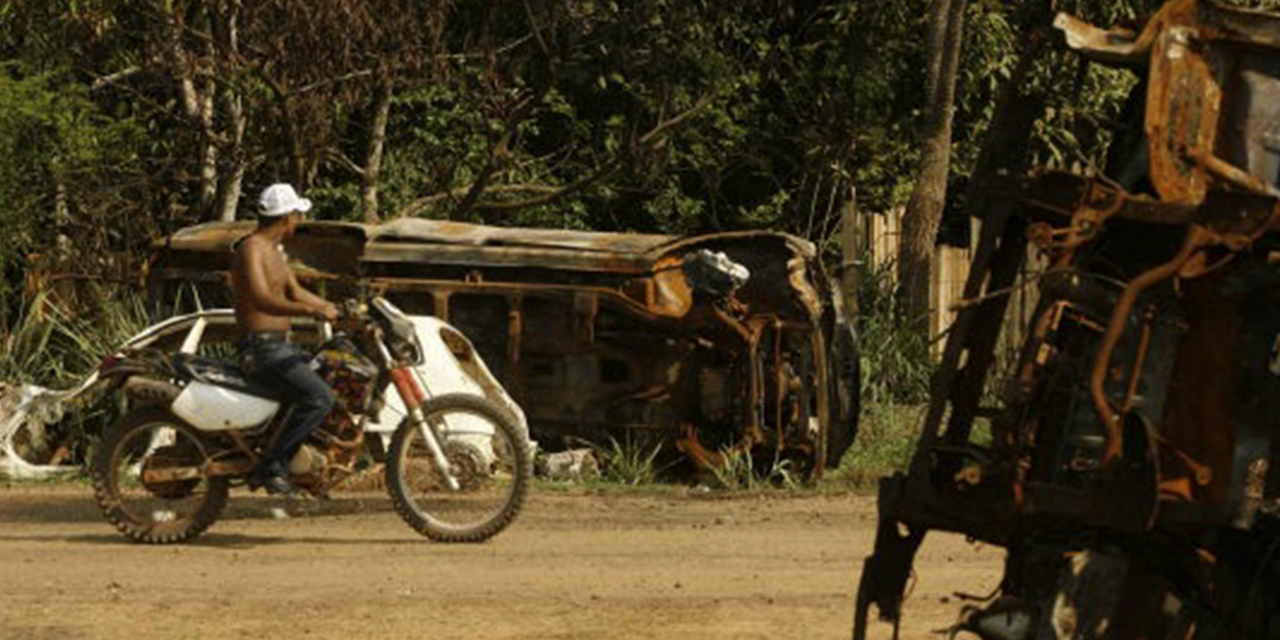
[(414, 397)]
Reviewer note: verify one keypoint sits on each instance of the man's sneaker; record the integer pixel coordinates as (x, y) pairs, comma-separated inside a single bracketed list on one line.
[(271, 477), (278, 486)]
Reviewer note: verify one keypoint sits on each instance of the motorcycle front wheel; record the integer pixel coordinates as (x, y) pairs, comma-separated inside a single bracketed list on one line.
[(487, 457), (150, 479)]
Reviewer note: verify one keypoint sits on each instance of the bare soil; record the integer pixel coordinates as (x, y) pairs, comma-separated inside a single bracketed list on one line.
[(617, 567)]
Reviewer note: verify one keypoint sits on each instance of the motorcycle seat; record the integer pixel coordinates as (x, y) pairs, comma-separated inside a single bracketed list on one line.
[(221, 374)]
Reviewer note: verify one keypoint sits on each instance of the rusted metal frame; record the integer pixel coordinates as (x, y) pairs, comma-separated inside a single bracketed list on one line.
[(1197, 238), (1062, 194), (505, 257), (1232, 174), (780, 393), (1139, 360), (1114, 46), (1184, 103), (989, 318), (941, 388), (238, 440), (755, 433), (824, 400), (688, 443), (515, 339), (449, 287), (886, 571)]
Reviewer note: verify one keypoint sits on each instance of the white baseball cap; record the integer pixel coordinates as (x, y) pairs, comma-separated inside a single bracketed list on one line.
[(280, 199)]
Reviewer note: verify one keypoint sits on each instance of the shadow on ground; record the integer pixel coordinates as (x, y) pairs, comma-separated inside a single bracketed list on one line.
[(79, 507)]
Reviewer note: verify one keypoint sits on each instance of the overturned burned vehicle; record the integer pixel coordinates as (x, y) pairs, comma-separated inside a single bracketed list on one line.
[(731, 342), (1127, 465)]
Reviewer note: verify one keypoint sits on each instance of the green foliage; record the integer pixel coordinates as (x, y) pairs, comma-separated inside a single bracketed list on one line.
[(61, 153), (886, 439), (895, 357), (653, 115)]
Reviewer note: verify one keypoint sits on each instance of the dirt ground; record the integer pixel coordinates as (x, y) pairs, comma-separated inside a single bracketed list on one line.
[(616, 567)]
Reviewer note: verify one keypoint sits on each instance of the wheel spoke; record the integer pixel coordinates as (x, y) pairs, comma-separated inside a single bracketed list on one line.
[(150, 479), (487, 458)]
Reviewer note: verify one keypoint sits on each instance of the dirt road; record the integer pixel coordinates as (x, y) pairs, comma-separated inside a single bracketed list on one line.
[(616, 567)]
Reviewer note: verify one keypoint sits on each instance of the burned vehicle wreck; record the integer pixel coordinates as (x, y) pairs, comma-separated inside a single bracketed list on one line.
[(701, 346), (1126, 467)]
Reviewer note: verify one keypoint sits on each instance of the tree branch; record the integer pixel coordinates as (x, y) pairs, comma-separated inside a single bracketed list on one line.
[(364, 73), (113, 78), (653, 137), (421, 204), (678, 119), (338, 157), (499, 155)]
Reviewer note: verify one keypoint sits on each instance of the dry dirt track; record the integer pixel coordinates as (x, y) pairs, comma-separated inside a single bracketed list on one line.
[(585, 566)]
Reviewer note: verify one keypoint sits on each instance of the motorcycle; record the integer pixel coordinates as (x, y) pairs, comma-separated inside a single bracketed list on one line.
[(457, 467)]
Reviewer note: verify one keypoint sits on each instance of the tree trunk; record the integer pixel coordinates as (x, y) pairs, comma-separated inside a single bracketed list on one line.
[(197, 105), (209, 149), (233, 104), (233, 181), (373, 159), (928, 198)]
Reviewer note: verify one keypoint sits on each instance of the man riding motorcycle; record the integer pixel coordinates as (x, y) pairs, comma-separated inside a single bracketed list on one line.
[(267, 295)]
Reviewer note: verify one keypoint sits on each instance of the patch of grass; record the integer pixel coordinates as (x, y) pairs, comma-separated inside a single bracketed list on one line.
[(886, 440), (629, 463), (737, 472)]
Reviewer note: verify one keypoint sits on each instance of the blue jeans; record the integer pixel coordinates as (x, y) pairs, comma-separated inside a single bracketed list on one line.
[(285, 369)]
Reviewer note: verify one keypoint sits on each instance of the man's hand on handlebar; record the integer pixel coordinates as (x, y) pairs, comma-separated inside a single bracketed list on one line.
[(326, 311)]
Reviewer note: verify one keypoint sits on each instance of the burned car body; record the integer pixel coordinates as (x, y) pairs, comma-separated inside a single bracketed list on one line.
[(726, 342), (1127, 466)]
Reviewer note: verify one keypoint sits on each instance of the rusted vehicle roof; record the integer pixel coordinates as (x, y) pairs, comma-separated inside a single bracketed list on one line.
[(604, 336)]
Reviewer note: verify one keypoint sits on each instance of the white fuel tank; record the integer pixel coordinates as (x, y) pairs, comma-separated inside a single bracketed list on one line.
[(212, 408)]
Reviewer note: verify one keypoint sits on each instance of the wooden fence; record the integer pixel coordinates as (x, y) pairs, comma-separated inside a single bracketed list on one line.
[(876, 237)]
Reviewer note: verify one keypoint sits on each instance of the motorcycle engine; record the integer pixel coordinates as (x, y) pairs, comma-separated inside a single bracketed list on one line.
[(308, 462)]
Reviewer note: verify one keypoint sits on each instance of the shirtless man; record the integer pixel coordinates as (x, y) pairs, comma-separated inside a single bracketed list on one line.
[(267, 295)]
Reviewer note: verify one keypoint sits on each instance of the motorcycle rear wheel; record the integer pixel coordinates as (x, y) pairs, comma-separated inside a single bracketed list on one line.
[(149, 479), (494, 469)]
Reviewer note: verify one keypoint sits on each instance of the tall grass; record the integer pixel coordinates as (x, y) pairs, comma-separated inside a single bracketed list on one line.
[(630, 463), (895, 350), (738, 471), (55, 344)]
